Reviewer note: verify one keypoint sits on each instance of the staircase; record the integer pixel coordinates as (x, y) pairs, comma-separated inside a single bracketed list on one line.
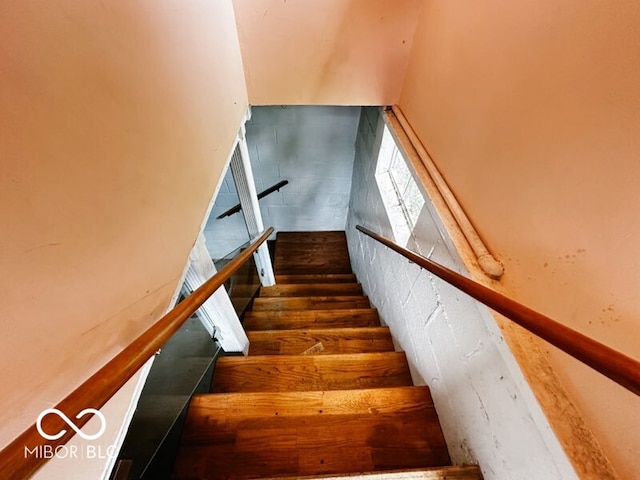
[(322, 393)]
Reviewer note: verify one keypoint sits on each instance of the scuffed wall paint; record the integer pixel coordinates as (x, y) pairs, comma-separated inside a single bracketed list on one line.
[(488, 412), (116, 121)]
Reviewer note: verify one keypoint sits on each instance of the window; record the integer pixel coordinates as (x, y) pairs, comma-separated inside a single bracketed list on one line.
[(401, 196)]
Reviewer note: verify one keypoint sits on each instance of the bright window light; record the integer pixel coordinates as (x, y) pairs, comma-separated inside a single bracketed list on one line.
[(401, 196)]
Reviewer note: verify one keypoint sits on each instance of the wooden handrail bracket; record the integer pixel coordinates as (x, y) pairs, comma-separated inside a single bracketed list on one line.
[(618, 367), (102, 385)]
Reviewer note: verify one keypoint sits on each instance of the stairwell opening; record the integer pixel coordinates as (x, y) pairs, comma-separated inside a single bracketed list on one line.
[(450, 344)]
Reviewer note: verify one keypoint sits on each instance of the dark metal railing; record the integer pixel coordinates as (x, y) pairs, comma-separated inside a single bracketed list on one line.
[(264, 193)]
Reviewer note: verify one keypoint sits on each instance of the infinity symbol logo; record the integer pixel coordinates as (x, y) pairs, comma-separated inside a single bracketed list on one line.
[(44, 413)]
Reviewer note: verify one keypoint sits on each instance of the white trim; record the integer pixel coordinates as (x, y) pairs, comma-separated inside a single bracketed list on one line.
[(144, 371), (246, 188), (217, 313), (128, 416)]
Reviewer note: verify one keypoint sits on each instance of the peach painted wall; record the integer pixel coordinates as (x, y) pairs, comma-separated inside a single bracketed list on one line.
[(532, 112), (325, 52), (116, 121)]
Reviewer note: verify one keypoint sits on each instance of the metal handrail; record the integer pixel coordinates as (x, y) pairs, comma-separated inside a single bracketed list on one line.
[(264, 193)]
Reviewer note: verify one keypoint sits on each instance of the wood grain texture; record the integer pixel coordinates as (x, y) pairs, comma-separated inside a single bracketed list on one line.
[(315, 265), (325, 302), (333, 340), (278, 373), (469, 472), (311, 253), (303, 319), (310, 238), (304, 433), (311, 289), (269, 407), (319, 278)]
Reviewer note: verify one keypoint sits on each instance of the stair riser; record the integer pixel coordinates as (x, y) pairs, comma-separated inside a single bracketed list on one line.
[(467, 472), (311, 290), (311, 239), (220, 430), (303, 279), (333, 341), (311, 252), (280, 373), (310, 319), (291, 457), (320, 269), (310, 303)]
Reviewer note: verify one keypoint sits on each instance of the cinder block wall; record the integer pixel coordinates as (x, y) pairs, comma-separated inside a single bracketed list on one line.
[(310, 146), (487, 410), (225, 235)]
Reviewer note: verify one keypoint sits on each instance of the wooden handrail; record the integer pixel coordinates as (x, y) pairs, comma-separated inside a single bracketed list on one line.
[(618, 367), (264, 193), (101, 386)]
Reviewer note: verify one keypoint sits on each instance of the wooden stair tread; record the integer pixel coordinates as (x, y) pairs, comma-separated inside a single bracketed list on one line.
[(311, 289), (318, 278), (310, 237), (322, 394), (313, 266), (311, 252), (338, 246), (301, 319), (278, 373), (465, 472), (291, 253), (332, 340), (273, 406), (310, 433), (319, 302)]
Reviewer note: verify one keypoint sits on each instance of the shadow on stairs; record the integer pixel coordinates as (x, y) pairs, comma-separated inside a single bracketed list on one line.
[(322, 393)]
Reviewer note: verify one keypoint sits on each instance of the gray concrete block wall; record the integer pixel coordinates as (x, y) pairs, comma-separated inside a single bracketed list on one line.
[(313, 148), (225, 235), (487, 410)]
